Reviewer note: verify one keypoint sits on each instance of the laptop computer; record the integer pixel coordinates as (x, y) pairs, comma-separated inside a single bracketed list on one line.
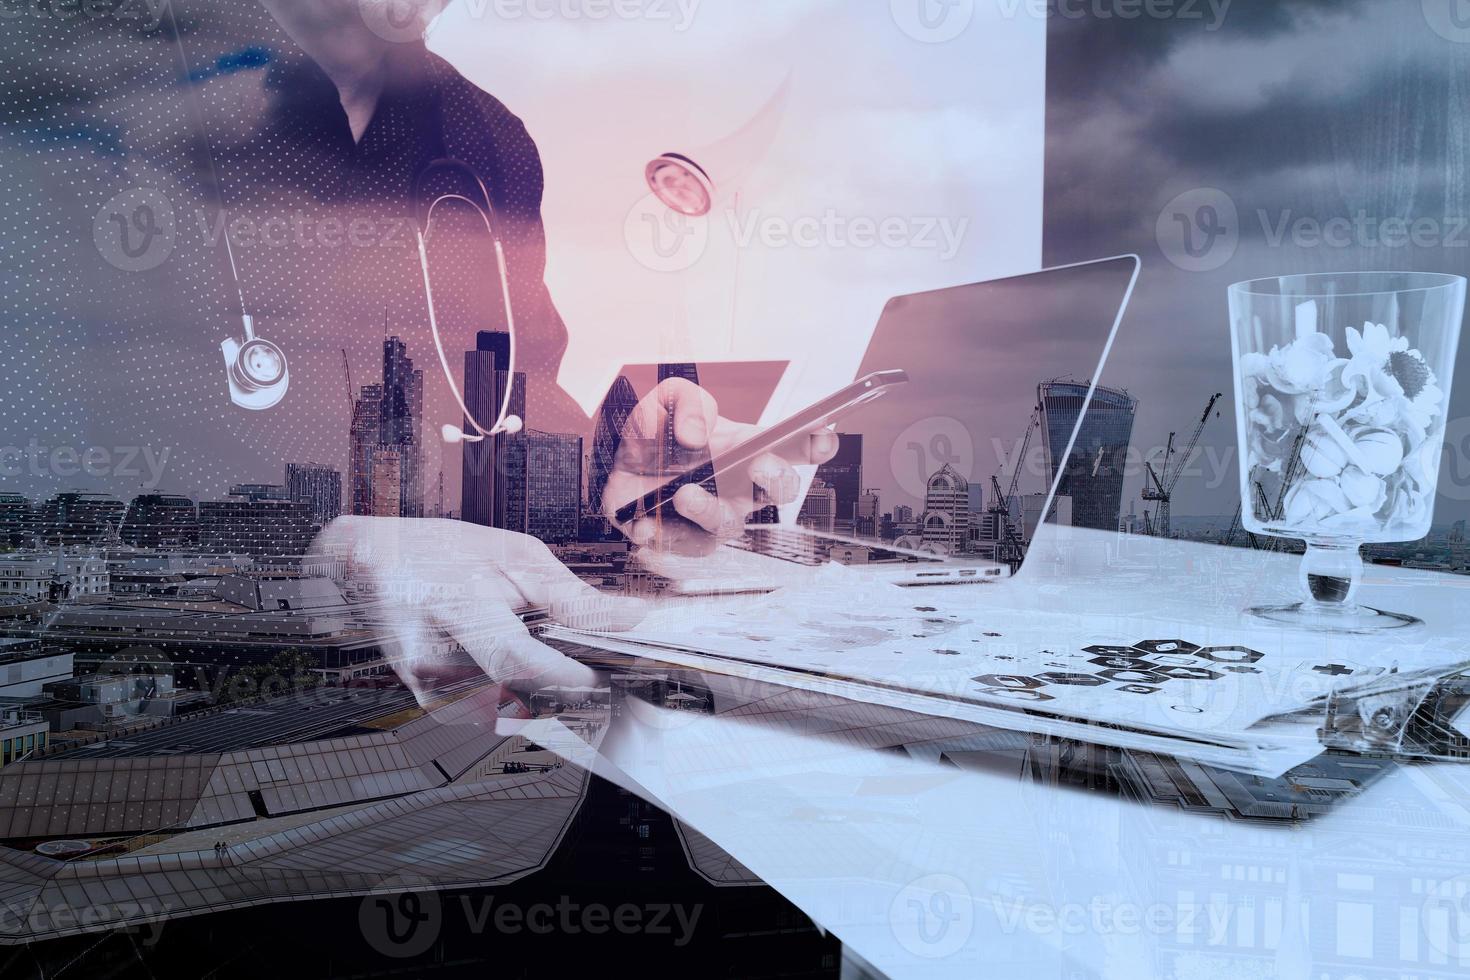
[(945, 480)]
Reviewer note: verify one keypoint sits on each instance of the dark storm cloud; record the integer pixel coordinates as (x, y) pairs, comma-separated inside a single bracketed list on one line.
[(1301, 110), (1295, 128), (1086, 56)]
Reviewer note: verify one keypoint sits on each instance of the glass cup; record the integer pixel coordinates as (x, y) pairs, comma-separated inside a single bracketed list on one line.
[(1342, 386)]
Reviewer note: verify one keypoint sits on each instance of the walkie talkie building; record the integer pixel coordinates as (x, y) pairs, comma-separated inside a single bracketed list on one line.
[(1094, 475)]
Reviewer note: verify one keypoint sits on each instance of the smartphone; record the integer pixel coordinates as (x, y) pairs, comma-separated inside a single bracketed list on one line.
[(660, 502)]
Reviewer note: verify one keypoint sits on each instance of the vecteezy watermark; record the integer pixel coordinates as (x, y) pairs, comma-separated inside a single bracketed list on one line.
[(1444, 917), (938, 21), (1201, 230), (147, 14), (127, 462), (926, 447), (402, 21), (1450, 19), (297, 229), (136, 230), (142, 919), (1102, 916), (406, 924), (929, 445), (1455, 462), (1211, 12), (932, 21), (933, 917), (665, 241)]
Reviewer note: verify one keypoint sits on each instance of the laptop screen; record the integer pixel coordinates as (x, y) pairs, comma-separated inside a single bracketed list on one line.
[(999, 428), (976, 450)]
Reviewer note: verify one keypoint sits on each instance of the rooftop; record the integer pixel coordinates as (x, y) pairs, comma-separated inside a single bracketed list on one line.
[(310, 716)]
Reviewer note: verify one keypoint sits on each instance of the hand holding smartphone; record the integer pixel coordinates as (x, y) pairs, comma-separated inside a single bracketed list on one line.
[(660, 501)]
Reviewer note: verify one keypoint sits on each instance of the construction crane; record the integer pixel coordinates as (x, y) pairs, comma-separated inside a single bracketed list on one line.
[(1159, 484), (347, 373), (1012, 547), (1264, 508)]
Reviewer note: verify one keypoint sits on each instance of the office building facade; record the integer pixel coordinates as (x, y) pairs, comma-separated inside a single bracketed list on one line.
[(367, 415), (255, 526), (494, 470), (869, 511), (844, 474), (553, 487), (161, 522), (401, 415), (317, 485), (80, 518), (612, 417), (945, 524), (819, 510), (1093, 476)]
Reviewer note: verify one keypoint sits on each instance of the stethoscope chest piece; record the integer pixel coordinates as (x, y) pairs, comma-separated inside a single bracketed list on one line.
[(256, 370)]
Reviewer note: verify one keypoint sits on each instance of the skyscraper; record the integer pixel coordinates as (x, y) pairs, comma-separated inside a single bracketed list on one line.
[(819, 509), (553, 486), (869, 506), (673, 458), (616, 409), (1093, 476), (387, 483), (689, 372), (844, 474), (401, 422), (494, 470), (318, 485), (367, 417), (945, 523), (977, 498)]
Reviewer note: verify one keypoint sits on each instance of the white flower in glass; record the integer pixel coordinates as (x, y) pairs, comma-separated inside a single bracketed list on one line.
[(1300, 367), (1314, 501), (1397, 386)]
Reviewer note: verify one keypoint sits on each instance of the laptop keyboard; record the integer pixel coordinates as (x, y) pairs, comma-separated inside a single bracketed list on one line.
[(782, 543)]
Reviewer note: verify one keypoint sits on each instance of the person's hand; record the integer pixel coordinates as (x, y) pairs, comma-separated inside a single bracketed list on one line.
[(431, 579), (644, 463)]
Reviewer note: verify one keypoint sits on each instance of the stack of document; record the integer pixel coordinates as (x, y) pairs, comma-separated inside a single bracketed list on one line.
[(1241, 698)]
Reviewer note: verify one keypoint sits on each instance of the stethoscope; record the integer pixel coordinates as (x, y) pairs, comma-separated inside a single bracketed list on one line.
[(256, 370), (676, 180), (506, 423)]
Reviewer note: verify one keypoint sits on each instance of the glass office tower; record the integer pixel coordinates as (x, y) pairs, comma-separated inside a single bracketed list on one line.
[(1093, 477)]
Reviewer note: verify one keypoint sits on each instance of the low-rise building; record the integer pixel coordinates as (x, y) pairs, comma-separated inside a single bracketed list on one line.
[(62, 575), (21, 733)]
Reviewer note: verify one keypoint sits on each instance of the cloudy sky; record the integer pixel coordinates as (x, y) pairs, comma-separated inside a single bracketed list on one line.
[(1294, 109)]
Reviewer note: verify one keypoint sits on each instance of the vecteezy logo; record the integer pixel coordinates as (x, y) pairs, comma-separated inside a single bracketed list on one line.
[(135, 231), (399, 21), (1199, 230), (662, 239), (1444, 918), (256, 370), (1450, 19), (928, 446), (1456, 456), (401, 924), (933, 917), (932, 21)]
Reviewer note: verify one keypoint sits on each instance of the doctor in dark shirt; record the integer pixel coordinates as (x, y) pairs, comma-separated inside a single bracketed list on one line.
[(396, 108)]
